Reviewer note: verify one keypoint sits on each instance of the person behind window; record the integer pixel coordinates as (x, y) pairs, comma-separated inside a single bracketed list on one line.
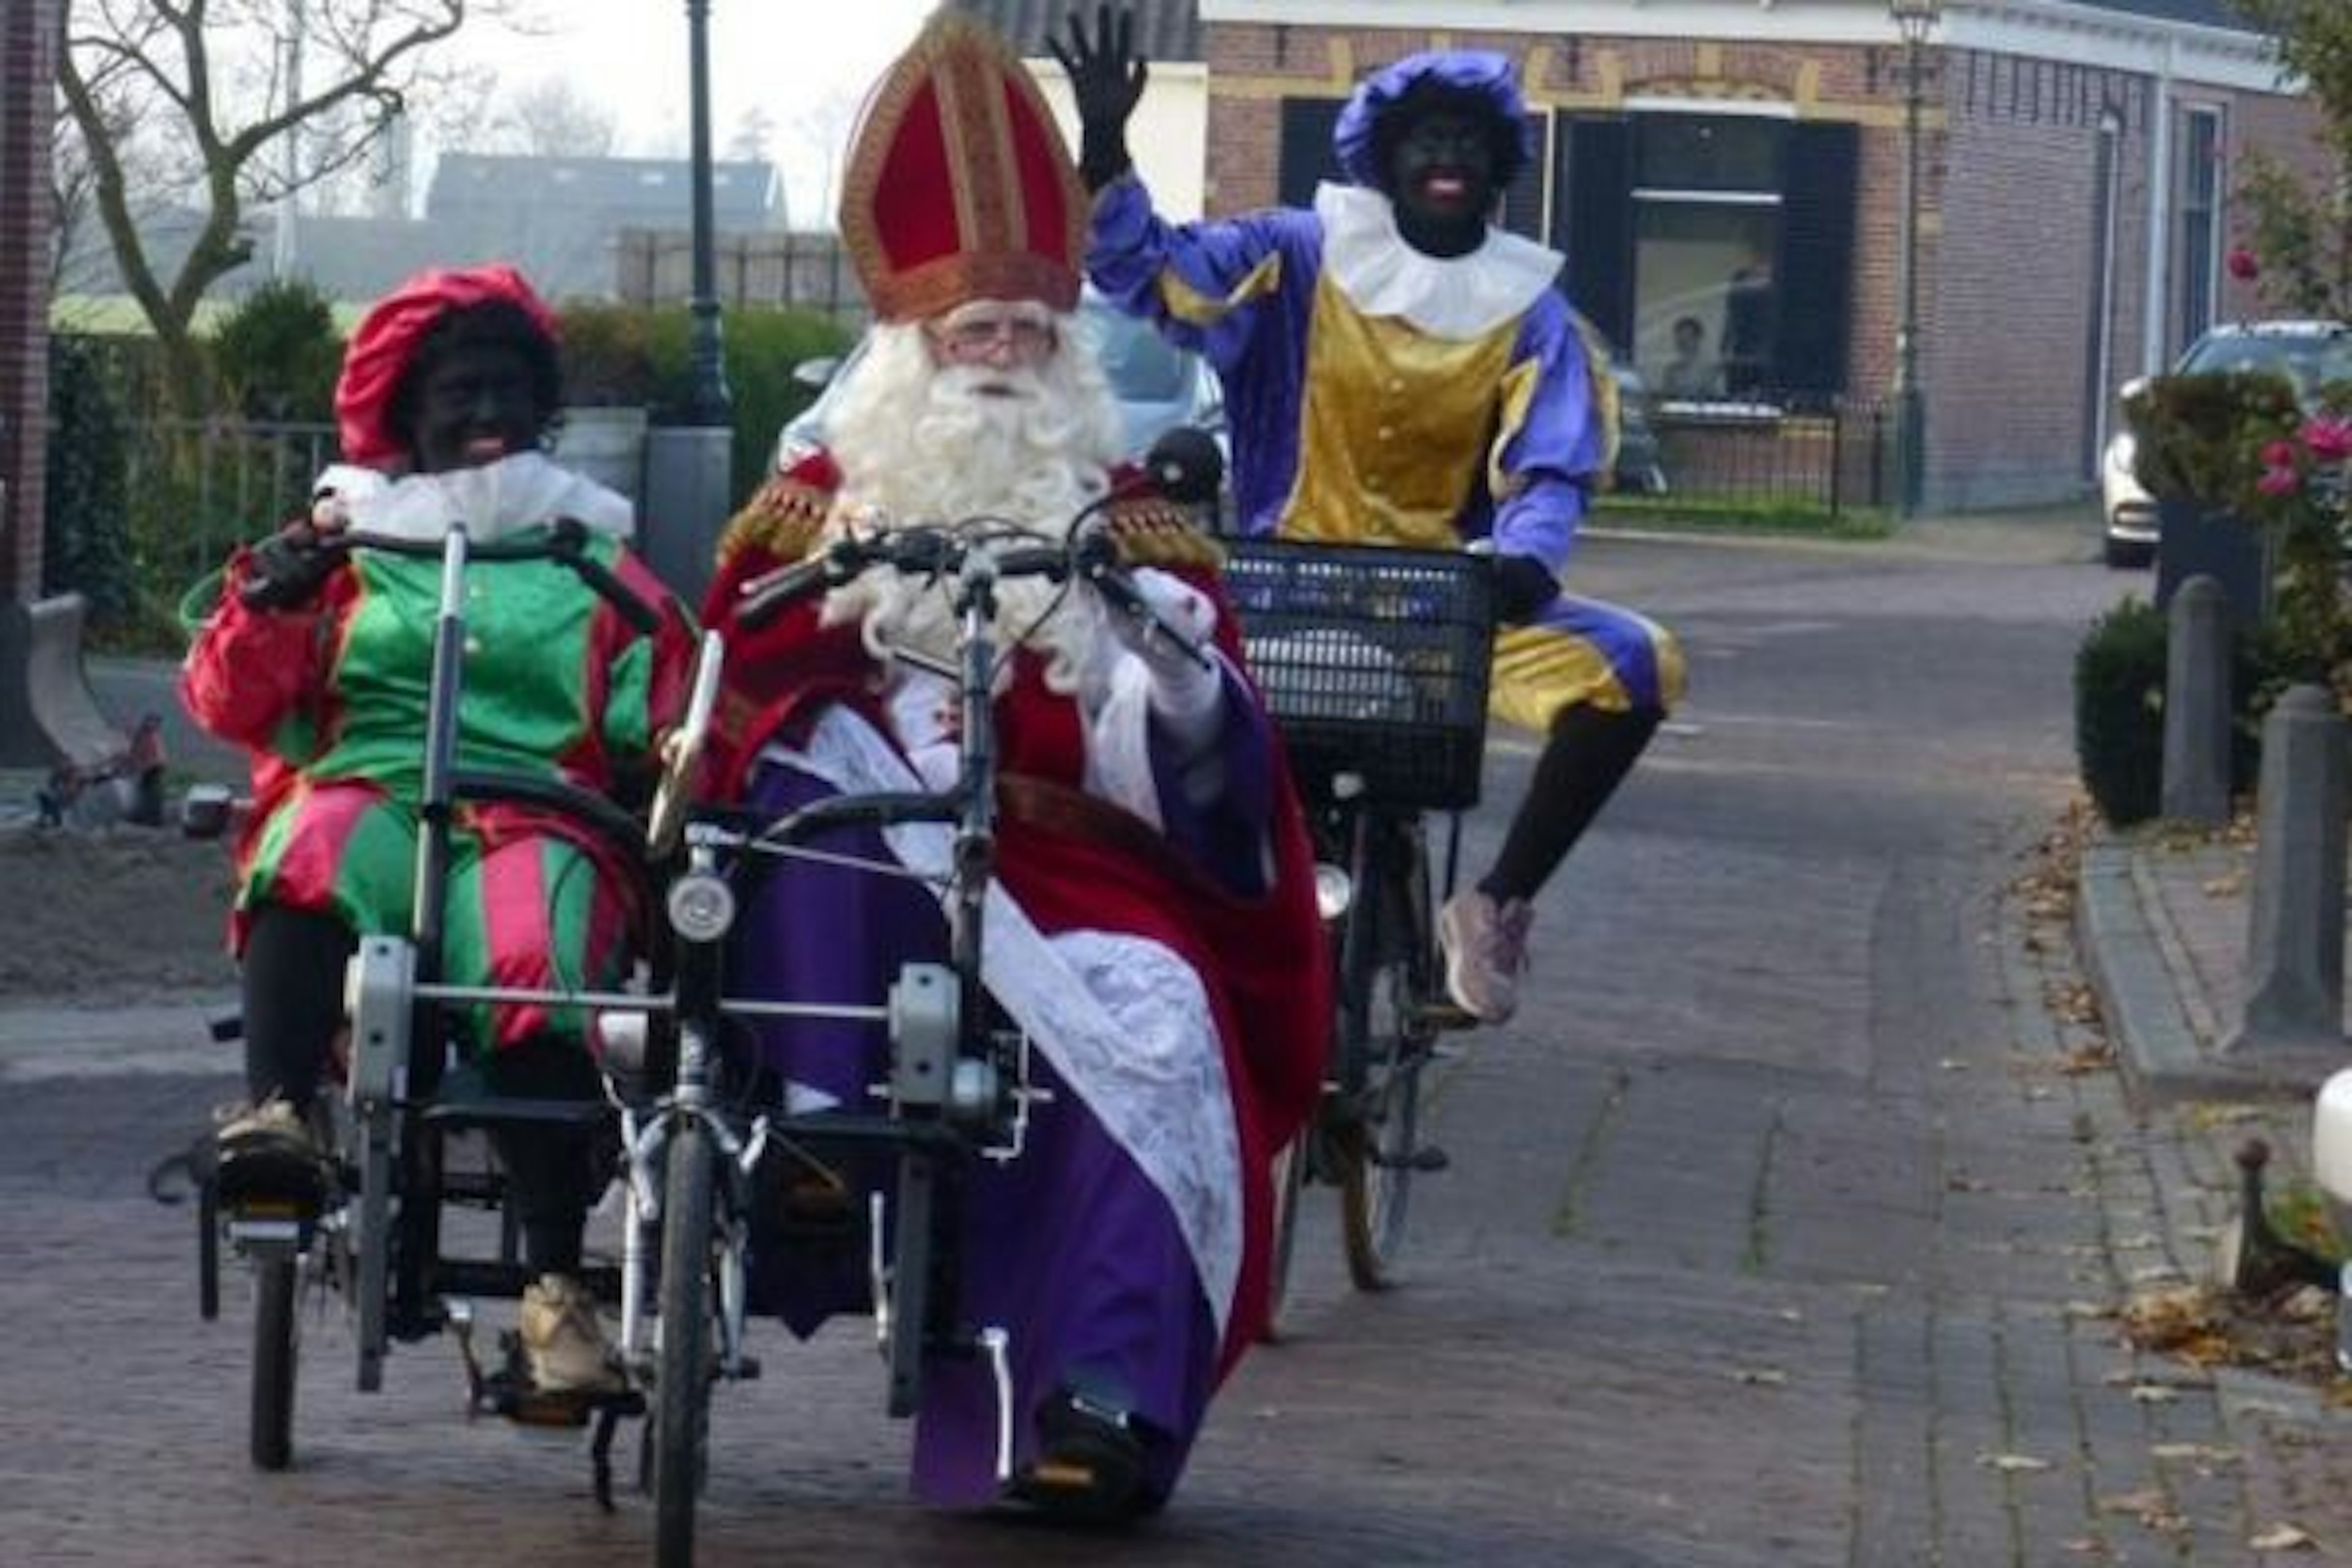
[(1399, 371), (1748, 328), (1690, 374), (1157, 941), (320, 663)]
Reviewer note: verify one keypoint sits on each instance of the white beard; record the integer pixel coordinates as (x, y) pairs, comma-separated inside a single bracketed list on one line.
[(920, 445)]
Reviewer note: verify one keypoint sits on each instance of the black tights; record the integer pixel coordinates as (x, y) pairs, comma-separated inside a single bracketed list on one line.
[(1589, 754), (293, 986)]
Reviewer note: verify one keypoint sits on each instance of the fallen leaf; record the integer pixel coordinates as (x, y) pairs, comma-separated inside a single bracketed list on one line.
[(2284, 1538), (2153, 1394), (2199, 1453), (2013, 1464), (1770, 1377)]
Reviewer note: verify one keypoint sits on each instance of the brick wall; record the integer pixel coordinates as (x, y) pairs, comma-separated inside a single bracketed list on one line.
[(28, 34)]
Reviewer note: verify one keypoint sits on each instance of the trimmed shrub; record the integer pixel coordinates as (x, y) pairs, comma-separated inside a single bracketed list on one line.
[(2119, 711), (277, 354)]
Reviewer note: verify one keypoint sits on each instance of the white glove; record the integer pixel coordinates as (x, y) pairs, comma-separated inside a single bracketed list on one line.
[(338, 485), (1185, 694)]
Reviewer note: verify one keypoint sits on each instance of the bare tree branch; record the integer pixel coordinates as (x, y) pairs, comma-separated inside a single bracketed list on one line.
[(211, 86)]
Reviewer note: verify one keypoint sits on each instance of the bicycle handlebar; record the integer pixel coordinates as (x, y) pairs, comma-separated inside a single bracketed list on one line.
[(565, 541), (953, 551)]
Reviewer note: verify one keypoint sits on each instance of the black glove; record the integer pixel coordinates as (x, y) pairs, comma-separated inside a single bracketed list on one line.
[(286, 569), (1523, 585), (1105, 81)]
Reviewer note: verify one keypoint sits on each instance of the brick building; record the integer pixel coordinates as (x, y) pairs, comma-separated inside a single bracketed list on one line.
[(1742, 166), (28, 38)]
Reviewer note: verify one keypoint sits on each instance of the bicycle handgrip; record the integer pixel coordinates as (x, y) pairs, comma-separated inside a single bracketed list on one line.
[(285, 572), (1118, 590), (765, 597)]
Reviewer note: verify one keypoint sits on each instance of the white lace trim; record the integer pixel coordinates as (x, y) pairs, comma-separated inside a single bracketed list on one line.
[(1446, 297), (492, 500), (1124, 1020)]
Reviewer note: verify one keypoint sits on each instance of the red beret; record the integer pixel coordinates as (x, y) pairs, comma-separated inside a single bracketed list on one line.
[(387, 341)]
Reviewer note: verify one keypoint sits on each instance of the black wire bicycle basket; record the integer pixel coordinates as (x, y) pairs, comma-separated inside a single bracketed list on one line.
[(1374, 661)]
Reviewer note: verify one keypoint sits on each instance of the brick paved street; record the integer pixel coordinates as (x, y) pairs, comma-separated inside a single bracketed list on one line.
[(1782, 1228)]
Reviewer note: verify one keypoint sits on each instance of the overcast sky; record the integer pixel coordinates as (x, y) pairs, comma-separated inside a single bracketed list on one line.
[(805, 64)]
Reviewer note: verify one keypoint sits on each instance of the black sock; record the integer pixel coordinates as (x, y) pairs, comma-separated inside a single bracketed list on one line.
[(1589, 754), (293, 999), (551, 1179)]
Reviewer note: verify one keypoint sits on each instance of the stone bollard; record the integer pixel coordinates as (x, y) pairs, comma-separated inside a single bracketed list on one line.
[(2295, 952), (2197, 703)]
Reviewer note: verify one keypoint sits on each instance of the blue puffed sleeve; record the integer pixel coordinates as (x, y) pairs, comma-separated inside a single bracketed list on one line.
[(1552, 446)]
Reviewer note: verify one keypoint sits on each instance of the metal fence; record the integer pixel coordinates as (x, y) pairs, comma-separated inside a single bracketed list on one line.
[(195, 489), (1828, 455)]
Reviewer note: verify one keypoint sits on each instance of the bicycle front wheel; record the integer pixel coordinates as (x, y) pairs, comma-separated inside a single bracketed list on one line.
[(277, 1349), (1289, 1180), (682, 1425), (1385, 978)]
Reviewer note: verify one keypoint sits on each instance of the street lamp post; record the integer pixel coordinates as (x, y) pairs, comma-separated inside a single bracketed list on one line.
[(1914, 19), (709, 401), (689, 465)]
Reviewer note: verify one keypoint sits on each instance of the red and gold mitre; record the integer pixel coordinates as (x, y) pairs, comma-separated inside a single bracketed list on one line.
[(960, 186)]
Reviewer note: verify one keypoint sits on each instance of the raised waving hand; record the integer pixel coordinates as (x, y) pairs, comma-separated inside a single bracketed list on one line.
[(1107, 80)]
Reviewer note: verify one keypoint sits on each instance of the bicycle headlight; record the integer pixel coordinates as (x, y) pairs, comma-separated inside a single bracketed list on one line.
[(701, 907), (1334, 891)]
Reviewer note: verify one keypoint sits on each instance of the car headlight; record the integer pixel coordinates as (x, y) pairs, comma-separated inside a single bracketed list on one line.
[(2122, 450)]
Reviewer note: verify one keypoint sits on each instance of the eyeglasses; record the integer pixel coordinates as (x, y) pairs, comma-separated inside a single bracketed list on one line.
[(1020, 337)]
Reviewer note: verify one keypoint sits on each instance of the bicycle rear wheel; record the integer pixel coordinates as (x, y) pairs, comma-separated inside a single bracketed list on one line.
[(681, 1426), (1385, 1033)]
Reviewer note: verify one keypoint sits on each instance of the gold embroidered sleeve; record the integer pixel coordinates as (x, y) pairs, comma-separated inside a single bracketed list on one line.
[(1189, 305), (783, 518), (1154, 533)]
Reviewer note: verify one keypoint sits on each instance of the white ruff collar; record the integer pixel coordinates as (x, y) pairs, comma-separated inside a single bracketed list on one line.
[(1461, 296), (509, 496)]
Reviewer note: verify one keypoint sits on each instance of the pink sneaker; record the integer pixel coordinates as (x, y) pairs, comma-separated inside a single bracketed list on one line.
[(1486, 946)]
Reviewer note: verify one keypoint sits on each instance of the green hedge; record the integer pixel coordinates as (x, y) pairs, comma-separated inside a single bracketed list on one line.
[(636, 357)]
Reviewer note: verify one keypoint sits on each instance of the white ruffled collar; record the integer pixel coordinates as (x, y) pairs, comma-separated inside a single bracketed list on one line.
[(1458, 297), (524, 491)]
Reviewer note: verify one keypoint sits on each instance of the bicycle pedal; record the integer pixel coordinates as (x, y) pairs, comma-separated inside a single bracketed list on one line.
[(561, 1409), (1447, 1016)]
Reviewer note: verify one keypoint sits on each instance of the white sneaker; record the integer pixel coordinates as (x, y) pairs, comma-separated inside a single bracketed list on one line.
[(563, 1339), (1486, 946)]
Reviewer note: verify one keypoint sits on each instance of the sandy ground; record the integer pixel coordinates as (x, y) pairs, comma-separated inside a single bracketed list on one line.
[(114, 916)]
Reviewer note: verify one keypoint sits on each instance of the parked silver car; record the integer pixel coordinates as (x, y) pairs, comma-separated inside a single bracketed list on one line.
[(2309, 353)]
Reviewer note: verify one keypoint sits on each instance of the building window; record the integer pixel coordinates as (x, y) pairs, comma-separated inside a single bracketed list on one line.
[(1706, 228), (2200, 219)]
